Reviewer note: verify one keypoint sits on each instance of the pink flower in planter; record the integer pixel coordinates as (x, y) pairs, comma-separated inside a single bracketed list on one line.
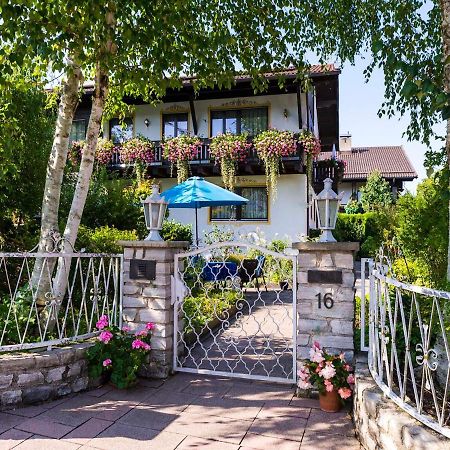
[(107, 362), (137, 343), (316, 356), (304, 384), (102, 323), (329, 386), (351, 379), (348, 368), (150, 326), (141, 333), (105, 336), (126, 329), (345, 392), (328, 372)]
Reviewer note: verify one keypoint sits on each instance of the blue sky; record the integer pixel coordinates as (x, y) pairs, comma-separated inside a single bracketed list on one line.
[(359, 103)]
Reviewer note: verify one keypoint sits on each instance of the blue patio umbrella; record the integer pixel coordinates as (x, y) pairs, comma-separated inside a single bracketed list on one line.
[(196, 193)]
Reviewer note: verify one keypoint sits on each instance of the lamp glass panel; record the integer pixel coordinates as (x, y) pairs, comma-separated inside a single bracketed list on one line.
[(147, 215), (154, 215), (333, 213), (322, 210)]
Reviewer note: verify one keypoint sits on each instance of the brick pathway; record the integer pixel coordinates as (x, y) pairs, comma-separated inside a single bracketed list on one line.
[(184, 412)]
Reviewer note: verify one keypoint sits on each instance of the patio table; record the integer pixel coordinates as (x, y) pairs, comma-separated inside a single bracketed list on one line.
[(219, 271)]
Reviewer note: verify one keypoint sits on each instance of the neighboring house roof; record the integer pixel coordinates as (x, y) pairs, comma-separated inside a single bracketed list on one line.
[(390, 161)]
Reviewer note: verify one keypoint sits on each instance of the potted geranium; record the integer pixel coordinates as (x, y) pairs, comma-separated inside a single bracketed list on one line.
[(330, 374), (179, 151), (139, 151), (103, 152), (335, 164), (118, 354), (271, 145), (229, 149)]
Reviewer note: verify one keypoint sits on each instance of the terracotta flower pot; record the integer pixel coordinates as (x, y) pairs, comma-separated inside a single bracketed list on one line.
[(330, 401)]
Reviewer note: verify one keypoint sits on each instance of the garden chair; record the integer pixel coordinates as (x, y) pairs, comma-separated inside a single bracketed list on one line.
[(253, 270)]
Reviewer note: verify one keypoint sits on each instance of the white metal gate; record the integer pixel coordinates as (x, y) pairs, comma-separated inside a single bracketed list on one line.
[(235, 310)]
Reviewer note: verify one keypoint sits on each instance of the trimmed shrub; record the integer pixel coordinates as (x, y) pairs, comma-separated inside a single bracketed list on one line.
[(176, 231), (103, 239)]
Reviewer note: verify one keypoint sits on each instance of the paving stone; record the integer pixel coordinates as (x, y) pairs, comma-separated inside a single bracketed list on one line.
[(210, 427), (284, 427), (100, 391), (12, 438), (313, 440), (44, 428), (147, 418), (260, 442), (170, 402), (89, 430), (125, 437), (335, 423), (225, 407), (265, 393), (38, 442), (273, 409), (192, 443), (8, 421), (207, 387), (28, 411)]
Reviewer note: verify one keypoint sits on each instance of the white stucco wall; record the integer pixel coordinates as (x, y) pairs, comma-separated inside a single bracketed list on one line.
[(276, 103), (346, 188), (287, 214)]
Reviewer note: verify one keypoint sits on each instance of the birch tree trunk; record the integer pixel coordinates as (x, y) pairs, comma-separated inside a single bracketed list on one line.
[(445, 10), (41, 276), (83, 181)]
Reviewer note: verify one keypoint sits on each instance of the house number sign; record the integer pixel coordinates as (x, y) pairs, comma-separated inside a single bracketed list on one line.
[(325, 300)]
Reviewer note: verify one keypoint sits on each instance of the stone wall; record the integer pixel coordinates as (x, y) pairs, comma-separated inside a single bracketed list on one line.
[(331, 326), (32, 377), (150, 300), (381, 424)]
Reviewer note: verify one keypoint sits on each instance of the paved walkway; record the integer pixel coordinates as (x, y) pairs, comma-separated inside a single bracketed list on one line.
[(184, 412)]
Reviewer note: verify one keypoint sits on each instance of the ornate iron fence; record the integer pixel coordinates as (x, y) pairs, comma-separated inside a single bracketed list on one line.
[(409, 354), (53, 298)]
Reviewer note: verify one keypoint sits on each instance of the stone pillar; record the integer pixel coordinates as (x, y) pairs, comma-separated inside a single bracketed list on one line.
[(326, 297), (147, 270)]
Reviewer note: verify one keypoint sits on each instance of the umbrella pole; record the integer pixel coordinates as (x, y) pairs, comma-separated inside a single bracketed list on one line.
[(196, 228)]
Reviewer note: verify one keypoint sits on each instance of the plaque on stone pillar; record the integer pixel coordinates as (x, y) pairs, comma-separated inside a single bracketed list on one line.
[(325, 276), (141, 269)]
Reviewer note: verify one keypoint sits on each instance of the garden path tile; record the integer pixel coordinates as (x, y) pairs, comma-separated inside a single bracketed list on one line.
[(207, 387), (225, 407), (12, 437), (28, 411), (125, 437), (274, 409), (265, 393), (148, 418), (316, 440), (168, 401), (192, 443), (305, 402), (339, 423), (44, 428), (210, 427), (87, 431), (284, 427), (98, 392), (8, 421), (261, 442), (38, 442)]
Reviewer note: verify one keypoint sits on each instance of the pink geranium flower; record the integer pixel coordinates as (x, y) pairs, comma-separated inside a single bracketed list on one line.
[(351, 379), (344, 392), (105, 336), (137, 344), (304, 384), (102, 323), (348, 368), (150, 326), (328, 386), (141, 333), (316, 355), (126, 329), (107, 362)]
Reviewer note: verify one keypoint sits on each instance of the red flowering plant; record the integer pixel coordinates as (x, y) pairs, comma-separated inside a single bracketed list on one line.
[(312, 147), (338, 165), (179, 151), (139, 151), (271, 145), (103, 152), (327, 373), (229, 149), (118, 354)]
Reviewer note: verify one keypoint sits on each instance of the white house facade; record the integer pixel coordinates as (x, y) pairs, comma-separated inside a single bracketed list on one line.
[(237, 110)]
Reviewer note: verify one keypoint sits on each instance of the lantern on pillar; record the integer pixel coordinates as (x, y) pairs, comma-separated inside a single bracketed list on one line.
[(154, 213), (327, 205)]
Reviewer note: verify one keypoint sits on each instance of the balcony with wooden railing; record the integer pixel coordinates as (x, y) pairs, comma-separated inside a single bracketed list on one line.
[(205, 165)]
